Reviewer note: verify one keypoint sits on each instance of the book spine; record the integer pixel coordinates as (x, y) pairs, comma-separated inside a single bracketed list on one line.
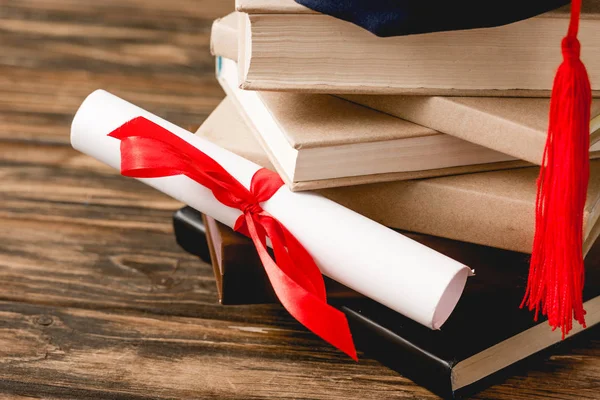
[(223, 38)]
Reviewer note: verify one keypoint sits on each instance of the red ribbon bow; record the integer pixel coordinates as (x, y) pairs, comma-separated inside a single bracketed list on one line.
[(150, 151)]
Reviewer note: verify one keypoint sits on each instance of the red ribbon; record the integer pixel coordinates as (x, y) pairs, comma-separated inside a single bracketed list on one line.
[(150, 151)]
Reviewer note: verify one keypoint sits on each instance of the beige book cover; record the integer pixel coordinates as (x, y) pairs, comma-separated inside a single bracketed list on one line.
[(319, 141), (489, 208), (514, 126), (284, 47), (271, 7)]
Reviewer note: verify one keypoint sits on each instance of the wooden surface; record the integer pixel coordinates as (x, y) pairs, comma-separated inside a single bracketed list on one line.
[(96, 299)]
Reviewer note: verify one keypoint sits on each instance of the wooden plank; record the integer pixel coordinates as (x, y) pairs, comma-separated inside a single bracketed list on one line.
[(30, 111), (77, 234), (151, 53), (94, 354), (154, 14), (58, 185)]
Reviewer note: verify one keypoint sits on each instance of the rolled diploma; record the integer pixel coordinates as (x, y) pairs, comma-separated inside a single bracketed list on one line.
[(384, 265)]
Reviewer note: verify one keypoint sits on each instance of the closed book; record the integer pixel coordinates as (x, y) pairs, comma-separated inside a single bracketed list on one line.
[(318, 141), (494, 208), (486, 334), (285, 46), (513, 126)]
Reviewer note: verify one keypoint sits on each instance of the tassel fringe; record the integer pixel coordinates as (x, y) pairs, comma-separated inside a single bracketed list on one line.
[(556, 274)]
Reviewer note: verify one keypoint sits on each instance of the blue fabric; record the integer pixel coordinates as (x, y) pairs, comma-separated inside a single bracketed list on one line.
[(406, 17)]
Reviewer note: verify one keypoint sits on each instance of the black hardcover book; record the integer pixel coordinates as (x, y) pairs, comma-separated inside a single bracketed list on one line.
[(486, 334), (190, 232)]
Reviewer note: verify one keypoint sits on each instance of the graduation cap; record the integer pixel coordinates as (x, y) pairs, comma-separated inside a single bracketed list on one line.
[(406, 17), (556, 274)]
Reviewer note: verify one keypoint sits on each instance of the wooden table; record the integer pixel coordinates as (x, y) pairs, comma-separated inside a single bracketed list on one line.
[(96, 299)]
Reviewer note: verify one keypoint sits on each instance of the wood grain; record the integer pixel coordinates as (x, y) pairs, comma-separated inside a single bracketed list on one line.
[(153, 53), (96, 299), (72, 349)]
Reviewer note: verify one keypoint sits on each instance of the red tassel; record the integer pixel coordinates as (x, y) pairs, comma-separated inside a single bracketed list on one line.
[(556, 273)]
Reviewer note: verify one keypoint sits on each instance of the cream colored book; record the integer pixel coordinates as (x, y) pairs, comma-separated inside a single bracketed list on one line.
[(489, 208), (514, 126), (286, 47), (323, 141)]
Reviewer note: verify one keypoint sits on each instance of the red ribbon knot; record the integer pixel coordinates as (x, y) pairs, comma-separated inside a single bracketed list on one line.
[(150, 151), (252, 208)]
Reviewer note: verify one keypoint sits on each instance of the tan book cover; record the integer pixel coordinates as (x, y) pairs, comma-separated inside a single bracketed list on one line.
[(271, 7), (514, 126), (319, 141), (286, 48), (489, 208)]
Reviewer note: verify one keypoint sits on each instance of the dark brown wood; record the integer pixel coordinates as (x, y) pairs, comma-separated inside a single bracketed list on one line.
[(96, 299)]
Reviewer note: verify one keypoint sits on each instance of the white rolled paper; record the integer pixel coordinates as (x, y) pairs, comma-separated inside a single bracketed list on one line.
[(384, 265)]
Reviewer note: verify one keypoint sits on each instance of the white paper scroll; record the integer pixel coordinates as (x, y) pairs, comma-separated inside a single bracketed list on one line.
[(392, 269)]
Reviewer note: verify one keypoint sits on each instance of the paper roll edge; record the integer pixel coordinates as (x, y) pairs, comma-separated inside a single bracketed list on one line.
[(74, 137), (450, 297)]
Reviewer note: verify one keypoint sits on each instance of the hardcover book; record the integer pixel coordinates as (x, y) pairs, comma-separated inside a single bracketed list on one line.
[(285, 46), (490, 208), (321, 141), (513, 126), (486, 333)]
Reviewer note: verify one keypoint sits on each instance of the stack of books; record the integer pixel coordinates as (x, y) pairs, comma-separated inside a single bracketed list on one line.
[(399, 131)]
